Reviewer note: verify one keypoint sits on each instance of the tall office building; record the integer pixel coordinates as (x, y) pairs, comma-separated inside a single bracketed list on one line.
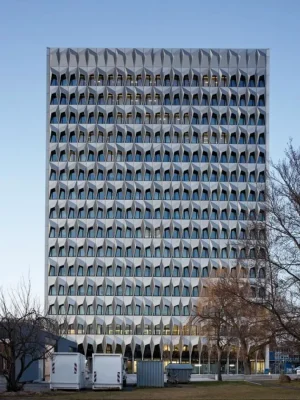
[(156, 162)]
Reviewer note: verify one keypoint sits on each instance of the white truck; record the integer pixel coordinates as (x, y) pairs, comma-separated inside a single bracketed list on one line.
[(68, 371), (109, 371)]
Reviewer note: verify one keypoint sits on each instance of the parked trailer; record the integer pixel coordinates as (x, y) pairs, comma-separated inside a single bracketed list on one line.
[(108, 371), (67, 371), (150, 374), (179, 373)]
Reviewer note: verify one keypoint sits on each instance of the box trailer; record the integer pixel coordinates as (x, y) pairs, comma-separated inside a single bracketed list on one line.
[(179, 373), (150, 374), (68, 371), (108, 371)]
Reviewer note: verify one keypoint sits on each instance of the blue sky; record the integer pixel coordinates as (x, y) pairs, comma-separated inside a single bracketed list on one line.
[(27, 27)]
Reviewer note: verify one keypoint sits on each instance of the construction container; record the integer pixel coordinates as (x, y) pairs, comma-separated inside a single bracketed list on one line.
[(108, 371), (68, 371), (179, 373), (150, 374)]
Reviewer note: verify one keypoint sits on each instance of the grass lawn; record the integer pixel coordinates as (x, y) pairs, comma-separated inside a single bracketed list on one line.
[(193, 391)]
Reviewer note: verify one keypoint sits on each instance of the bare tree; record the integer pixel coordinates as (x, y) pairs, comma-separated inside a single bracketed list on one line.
[(211, 316), (230, 318), (268, 302), (26, 333), (273, 247)]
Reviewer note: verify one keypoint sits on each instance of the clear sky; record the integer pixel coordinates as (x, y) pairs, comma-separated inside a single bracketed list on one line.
[(27, 27)]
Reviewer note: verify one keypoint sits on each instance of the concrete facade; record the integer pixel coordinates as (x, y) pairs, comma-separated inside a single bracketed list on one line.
[(156, 161)]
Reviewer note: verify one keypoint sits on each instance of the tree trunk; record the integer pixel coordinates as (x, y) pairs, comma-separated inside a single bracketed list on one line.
[(12, 385), (219, 365), (247, 365), (246, 360), (11, 378)]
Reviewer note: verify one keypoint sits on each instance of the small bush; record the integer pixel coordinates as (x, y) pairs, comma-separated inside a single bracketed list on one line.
[(284, 378)]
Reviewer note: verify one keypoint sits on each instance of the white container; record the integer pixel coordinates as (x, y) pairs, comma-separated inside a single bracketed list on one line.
[(67, 371), (108, 371)]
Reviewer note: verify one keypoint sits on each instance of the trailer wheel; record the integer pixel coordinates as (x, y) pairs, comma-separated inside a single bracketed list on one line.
[(124, 383)]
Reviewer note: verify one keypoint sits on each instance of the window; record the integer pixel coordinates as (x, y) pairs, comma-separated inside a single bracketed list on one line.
[(80, 310), (223, 119), (214, 100), (223, 215), (72, 118), (251, 101), (99, 310), (147, 291), (252, 138), (214, 119), (261, 101), (71, 310), (233, 196), (167, 81), (224, 234), (204, 101), (61, 310), (243, 100), (261, 196), (52, 291), (252, 81), (205, 81), (223, 177), (54, 81), (64, 82), (252, 196), (251, 158), (223, 157), (176, 81), (233, 101), (233, 119), (54, 100), (204, 234), (242, 120), (53, 176), (223, 196), (261, 120), (243, 215), (223, 101), (242, 82), (53, 138), (261, 139), (261, 81), (54, 119), (233, 215), (233, 81), (261, 177), (176, 291), (262, 273), (233, 234), (214, 80), (195, 80), (195, 119), (251, 119), (109, 310), (252, 273)]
